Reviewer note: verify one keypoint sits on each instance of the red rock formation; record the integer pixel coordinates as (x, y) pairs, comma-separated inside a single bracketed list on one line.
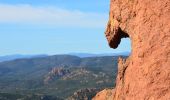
[(106, 94), (146, 73)]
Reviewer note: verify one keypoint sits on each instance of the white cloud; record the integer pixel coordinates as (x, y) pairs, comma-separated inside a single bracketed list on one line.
[(27, 14)]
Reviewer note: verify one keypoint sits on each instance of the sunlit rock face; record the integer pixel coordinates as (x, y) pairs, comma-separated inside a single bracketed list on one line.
[(145, 75)]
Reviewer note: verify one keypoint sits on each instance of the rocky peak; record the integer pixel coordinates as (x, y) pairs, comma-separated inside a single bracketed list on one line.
[(56, 72)]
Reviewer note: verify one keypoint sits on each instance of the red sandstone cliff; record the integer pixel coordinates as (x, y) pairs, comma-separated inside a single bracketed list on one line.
[(145, 75)]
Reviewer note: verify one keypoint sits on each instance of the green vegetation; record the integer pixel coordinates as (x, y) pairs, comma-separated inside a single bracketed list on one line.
[(8, 96), (24, 78)]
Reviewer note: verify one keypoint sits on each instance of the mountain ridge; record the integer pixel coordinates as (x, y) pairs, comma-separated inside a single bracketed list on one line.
[(81, 55), (58, 75)]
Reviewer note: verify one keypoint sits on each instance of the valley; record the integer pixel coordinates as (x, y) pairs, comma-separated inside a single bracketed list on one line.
[(58, 76)]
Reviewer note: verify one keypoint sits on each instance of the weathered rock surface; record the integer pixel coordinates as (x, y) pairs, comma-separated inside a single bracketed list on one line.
[(106, 94), (84, 94), (145, 75)]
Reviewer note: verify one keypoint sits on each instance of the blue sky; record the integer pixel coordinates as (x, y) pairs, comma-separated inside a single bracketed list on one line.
[(55, 27)]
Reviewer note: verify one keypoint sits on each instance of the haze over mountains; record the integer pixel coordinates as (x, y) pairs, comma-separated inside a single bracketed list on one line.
[(82, 55), (100, 54), (18, 56)]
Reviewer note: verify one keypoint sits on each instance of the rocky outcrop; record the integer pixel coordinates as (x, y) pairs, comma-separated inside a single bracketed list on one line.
[(145, 75), (84, 94), (106, 94), (56, 72)]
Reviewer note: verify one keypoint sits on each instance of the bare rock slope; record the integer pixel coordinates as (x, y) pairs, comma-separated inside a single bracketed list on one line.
[(145, 75)]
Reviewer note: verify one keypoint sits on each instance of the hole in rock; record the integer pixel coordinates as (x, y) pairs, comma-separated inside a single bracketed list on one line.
[(125, 42), (121, 43), (124, 48)]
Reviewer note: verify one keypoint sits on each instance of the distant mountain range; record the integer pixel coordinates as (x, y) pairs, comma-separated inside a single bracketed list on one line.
[(18, 56), (81, 55), (63, 76)]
